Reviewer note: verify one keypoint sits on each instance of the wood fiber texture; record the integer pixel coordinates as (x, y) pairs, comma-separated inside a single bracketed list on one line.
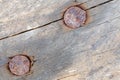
[(87, 53)]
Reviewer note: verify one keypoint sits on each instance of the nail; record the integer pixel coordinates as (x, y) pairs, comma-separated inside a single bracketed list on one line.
[(75, 17), (19, 65)]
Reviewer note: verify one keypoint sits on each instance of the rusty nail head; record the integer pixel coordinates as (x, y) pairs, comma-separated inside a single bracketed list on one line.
[(74, 17), (19, 65)]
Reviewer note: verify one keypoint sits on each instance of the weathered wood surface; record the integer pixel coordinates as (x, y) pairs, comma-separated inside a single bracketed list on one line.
[(32, 14), (88, 53), (17, 16)]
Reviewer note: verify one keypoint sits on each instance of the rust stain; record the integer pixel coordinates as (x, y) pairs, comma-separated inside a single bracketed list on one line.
[(20, 64), (77, 14), (89, 18)]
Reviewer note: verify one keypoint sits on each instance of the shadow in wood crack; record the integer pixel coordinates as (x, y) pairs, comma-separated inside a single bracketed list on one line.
[(49, 51)]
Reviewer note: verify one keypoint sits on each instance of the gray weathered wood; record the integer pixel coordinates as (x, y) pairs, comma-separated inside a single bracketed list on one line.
[(26, 15), (103, 13), (17, 16), (87, 53), (60, 53)]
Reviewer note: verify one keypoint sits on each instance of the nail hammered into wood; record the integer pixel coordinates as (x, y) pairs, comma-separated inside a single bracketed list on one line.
[(19, 65), (74, 17)]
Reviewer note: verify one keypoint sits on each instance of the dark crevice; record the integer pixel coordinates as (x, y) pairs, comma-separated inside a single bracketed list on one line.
[(30, 29), (53, 21), (99, 4)]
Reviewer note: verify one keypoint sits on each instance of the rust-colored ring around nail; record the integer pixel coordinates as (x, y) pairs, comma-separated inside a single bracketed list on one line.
[(19, 65), (74, 17)]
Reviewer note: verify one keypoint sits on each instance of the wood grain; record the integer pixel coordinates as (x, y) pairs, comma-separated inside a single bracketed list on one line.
[(17, 16), (88, 53)]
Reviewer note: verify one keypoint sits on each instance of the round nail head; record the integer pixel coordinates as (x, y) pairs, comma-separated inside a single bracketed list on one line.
[(74, 17), (19, 65)]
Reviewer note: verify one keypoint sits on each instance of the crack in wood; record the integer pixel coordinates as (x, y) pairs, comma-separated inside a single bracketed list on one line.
[(53, 21), (100, 4), (30, 29)]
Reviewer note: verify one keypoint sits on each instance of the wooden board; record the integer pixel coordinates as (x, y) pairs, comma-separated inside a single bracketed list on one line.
[(26, 20), (90, 52), (17, 16)]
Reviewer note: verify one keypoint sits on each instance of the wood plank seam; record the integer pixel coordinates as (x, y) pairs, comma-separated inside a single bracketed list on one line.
[(53, 21), (100, 4), (30, 29)]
